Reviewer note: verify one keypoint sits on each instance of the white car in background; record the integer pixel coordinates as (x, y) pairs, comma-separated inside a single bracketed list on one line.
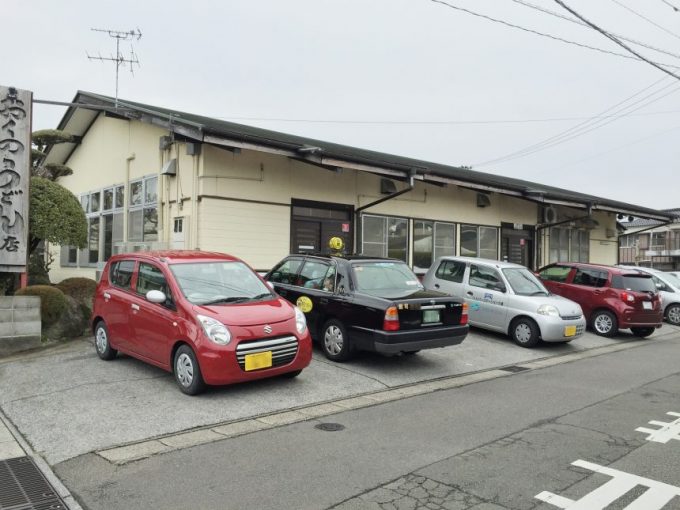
[(668, 284), (507, 298)]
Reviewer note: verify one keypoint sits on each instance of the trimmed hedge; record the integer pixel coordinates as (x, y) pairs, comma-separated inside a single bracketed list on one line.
[(80, 289), (53, 302)]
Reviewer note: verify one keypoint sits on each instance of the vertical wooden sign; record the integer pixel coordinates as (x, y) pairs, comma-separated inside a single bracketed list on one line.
[(15, 175)]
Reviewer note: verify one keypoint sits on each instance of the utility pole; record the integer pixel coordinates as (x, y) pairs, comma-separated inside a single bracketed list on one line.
[(119, 59)]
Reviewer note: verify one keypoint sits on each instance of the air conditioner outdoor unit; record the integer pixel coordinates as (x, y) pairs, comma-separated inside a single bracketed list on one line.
[(549, 214)]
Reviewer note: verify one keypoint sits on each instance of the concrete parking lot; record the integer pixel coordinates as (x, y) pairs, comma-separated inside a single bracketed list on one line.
[(66, 402)]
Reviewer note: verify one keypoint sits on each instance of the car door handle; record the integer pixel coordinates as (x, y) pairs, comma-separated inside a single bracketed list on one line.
[(107, 295), (469, 293), (134, 306), (436, 285)]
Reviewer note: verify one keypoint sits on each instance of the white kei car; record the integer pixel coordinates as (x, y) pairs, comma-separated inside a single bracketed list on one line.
[(507, 298)]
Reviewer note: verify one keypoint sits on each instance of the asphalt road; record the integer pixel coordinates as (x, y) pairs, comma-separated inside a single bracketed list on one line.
[(565, 432)]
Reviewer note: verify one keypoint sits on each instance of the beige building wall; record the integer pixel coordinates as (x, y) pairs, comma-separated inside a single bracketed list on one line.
[(239, 201)]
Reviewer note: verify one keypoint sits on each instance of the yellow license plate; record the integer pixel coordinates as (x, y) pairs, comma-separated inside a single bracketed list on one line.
[(258, 360), (569, 330)]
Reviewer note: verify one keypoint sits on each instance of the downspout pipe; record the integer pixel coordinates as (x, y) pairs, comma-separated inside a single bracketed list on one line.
[(409, 187), (358, 211)]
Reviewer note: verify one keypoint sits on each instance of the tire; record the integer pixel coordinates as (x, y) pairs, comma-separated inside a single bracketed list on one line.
[(187, 372), (673, 314), (291, 375), (101, 342), (525, 332), (335, 342), (642, 332), (604, 323)]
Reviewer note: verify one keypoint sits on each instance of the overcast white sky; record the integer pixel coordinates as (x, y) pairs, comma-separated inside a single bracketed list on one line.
[(408, 77)]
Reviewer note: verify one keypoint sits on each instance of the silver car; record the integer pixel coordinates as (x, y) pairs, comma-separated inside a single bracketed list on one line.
[(668, 285), (507, 298)]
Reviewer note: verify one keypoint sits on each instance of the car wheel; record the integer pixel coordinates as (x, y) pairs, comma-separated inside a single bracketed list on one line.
[(673, 314), (101, 342), (524, 332), (187, 372), (292, 375), (642, 332), (604, 323), (334, 341)]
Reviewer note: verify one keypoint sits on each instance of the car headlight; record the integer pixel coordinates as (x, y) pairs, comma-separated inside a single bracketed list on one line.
[(300, 321), (549, 310), (215, 330)]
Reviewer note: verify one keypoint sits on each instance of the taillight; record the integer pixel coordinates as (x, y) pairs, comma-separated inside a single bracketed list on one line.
[(627, 297), (464, 315), (391, 321)]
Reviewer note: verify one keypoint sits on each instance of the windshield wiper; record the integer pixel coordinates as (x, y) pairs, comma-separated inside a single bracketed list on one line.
[(234, 299), (539, 292), (260, 296)]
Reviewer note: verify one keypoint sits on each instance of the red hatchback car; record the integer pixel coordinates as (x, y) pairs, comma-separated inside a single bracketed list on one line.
[(612, 298), (206, 317)]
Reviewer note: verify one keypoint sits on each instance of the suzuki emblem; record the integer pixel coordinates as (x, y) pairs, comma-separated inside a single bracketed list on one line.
[(268, 329)]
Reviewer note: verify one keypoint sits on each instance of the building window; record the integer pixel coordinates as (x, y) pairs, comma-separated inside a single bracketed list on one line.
[(143, 213), (569, 245), (658, 241), (384, 236), (104, 211), (628, 241), (432, 239), (478, 241)]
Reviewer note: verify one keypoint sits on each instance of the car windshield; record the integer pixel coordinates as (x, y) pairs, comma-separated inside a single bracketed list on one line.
[(380, 276), (524, 283), (638, 283), (672, 279), (223, 282)]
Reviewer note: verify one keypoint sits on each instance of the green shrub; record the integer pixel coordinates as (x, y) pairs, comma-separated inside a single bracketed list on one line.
[(52, 301), (80, 289)]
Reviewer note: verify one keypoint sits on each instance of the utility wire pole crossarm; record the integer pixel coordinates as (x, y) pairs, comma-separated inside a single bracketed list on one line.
[(119, 59)]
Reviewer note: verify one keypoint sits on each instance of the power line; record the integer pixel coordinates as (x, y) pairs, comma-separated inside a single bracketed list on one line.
[(587, 126), (671, 5), (617, 41), (646, 19), (624, 146), (438, 122), (535, 32), (581, 23)]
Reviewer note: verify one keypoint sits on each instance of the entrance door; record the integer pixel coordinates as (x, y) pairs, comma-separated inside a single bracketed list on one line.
[(517, 246), (313, 224)]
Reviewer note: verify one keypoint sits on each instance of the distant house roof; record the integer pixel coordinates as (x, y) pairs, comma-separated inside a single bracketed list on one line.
[(78, 119), (638, 223)]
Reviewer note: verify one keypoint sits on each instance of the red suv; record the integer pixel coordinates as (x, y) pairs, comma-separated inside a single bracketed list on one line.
[(612, 298), (206, 317)]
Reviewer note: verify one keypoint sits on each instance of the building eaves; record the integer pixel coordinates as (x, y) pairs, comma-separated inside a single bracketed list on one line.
[(204, 128)]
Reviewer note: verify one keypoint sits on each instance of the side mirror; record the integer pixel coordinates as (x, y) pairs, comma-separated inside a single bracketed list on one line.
[(659, 286), (341, 289), (501, 288), (156, 296)]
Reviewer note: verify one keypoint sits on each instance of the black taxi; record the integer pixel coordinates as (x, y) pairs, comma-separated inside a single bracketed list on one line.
[(365, 303)]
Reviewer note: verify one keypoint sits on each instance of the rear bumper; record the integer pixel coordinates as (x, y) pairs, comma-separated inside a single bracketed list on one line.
[(394, 342), (644, 320)]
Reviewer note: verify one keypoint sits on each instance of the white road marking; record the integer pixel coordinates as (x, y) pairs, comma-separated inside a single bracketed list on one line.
[(657, 495), (664, 434)]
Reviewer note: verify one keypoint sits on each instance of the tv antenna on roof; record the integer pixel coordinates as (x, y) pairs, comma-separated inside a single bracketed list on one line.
[(119, 59)]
